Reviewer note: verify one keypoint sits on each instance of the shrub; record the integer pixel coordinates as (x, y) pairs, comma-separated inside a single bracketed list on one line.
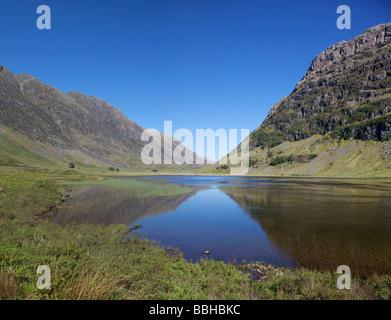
[(280, 160), (385, 138), (71, 165), (301, 158), (251, 162)]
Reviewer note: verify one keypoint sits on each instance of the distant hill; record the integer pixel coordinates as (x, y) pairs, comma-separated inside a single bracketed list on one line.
[(40, 125), (337, 120)]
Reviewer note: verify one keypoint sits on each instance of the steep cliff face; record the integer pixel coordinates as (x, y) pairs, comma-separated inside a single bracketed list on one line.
[(346, 91), (366, 44), (69, 123)]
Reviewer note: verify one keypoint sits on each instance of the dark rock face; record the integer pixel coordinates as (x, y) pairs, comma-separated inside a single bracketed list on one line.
[(366, 44), (346, 91)]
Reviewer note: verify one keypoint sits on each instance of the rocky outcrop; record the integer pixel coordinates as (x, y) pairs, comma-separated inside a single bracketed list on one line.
[(346, 92), (366, 44)]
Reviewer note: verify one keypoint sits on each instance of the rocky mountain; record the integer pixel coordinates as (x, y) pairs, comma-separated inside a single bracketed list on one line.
[(346, 91), (337, 120), (65, 127)]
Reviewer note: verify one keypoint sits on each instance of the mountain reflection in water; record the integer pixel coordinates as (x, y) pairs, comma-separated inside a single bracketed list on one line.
[(291, 222), (100, 204), (322, 225)]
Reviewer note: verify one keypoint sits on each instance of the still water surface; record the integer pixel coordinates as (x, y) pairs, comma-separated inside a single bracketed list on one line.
[(291, 222)]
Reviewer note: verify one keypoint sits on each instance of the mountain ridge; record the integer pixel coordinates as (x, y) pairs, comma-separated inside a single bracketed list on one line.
[(69, 123), (348, 74), (372, 38)]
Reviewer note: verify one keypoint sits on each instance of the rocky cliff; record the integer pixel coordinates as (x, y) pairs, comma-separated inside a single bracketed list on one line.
[(346, 91)]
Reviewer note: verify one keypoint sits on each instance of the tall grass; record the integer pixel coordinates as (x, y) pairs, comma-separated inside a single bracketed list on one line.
[(8, 287), (87, 284)]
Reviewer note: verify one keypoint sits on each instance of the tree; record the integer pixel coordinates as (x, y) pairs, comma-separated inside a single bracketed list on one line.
[(71, 165)]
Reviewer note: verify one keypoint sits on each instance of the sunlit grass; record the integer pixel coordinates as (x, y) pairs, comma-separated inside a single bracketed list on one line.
[(142, 189)]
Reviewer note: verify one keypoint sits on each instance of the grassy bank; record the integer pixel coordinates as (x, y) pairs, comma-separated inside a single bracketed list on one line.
[(139, 188), (97, 262), (321, 156)]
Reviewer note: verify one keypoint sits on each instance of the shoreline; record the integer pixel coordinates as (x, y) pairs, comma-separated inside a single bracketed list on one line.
[(98, 261)]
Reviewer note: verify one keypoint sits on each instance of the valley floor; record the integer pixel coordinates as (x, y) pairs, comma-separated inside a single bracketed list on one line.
[(98, 262)]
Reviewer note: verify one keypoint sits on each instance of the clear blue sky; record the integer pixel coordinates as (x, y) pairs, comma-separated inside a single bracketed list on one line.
[(200, 63)]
